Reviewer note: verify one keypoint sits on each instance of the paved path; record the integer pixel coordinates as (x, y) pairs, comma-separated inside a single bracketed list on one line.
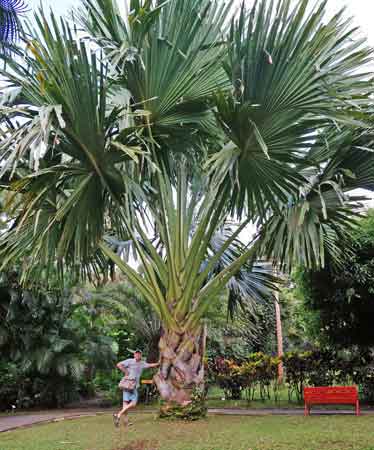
[(12, 422)]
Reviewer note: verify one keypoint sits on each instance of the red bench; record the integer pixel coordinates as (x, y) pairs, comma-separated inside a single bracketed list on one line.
[(338, 395)]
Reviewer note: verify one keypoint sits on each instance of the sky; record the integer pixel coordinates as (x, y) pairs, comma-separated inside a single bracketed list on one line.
[(362, 10), (58, 6)]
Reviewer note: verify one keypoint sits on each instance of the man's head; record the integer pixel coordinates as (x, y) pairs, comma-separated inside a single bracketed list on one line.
[(138, 355)]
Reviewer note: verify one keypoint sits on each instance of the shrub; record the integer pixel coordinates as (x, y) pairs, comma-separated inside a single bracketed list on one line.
[(364, 377), (227, 375), (10, 379), (257, 371), (311, 368), (260, 371)]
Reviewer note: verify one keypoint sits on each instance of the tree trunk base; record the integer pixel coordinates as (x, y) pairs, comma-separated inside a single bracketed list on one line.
[(195, 409), (180, 379)]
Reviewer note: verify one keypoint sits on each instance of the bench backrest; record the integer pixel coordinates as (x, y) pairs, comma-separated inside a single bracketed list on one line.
[(331, 394)]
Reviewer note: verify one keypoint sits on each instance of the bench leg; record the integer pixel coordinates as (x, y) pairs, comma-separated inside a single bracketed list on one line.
[(306, 410), (358, 412)]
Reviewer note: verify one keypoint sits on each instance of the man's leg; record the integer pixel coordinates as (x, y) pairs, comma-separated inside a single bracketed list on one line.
[(125, 407), (126, 402), (125, 415), (130, 400)]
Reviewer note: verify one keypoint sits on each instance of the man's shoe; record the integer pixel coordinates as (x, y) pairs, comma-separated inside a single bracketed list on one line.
[(116, 420)]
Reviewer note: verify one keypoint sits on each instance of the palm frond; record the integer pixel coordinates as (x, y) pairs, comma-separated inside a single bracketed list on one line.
[(10, 26), (293, 75), (168, 55), (68, 145)]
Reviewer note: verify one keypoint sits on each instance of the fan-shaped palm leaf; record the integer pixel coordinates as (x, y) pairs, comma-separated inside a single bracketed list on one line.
[(293, 75), (10, 26), (168, 56)]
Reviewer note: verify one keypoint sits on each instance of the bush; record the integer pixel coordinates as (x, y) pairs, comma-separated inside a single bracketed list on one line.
[(260, 371), (257, 371), (297, 369), (10, 379), (195, 410), (312, 368), (364, 377), (30, 390), (227, 376)]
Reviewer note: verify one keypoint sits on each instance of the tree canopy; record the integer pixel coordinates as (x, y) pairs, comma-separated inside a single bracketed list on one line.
[(342, 296)]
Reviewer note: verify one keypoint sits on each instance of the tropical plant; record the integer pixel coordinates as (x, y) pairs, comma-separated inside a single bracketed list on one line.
[(342, 297), (53, 339), (252, 330), (141, 326), (38, 336), (163, 122), (257, 371), (10, 10), (10, 379), (301, 326)]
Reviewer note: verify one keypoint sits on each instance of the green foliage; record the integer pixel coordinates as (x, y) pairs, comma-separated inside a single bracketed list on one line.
[(10, 380), (364, 376), (259, 373), (138, 326), (56, 343), (226, 95), (326, 368), (22, 388), (251, 330), (342, 295), (195, 410), (300, 325), (225, 373), (256, 371)]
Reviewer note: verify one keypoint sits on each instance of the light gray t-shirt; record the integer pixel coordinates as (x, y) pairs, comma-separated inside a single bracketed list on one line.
[(134, 369)]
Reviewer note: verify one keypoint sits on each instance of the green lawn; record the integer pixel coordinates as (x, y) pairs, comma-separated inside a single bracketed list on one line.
[(216, 433), (216, 399)]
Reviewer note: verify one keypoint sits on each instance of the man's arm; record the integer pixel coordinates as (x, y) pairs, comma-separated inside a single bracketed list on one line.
[(152, 365), (122, 368)]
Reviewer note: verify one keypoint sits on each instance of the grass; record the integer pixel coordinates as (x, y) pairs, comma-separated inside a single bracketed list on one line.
[(216, 433), (216, 399)]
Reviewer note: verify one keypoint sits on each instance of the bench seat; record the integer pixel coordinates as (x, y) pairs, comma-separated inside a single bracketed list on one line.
[(331, 395)]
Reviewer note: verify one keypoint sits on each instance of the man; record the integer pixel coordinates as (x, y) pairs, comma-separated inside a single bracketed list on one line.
[(132, 368)]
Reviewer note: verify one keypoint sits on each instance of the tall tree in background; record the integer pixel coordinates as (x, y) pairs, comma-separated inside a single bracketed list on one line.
[(164, 122)]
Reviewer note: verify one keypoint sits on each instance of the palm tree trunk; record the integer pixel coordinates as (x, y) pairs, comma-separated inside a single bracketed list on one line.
[(278, 320), (181, 365)]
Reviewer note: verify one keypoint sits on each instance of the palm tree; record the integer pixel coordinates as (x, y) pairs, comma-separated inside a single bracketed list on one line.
[(160, 124), (10, 10)]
